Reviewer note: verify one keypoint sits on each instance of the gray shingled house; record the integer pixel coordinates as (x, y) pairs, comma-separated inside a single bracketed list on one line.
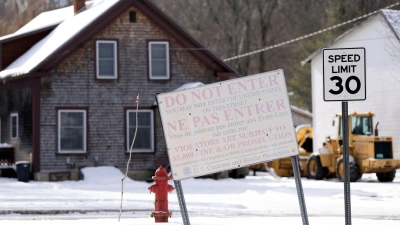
[(69, 80)]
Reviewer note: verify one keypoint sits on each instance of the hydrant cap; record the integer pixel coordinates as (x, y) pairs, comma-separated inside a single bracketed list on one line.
[(161, 172)]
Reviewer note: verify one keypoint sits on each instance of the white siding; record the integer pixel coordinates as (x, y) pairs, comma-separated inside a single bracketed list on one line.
[(383, 83)]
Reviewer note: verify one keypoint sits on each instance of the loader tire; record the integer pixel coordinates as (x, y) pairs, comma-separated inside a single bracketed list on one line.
[(315, 169), (354, 173), (386, 177)]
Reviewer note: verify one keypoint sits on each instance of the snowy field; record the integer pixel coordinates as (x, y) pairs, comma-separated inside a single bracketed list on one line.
[(257, 199)]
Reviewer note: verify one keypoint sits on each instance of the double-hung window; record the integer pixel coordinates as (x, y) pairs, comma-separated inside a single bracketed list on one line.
[(159, 60), (14, 125), (106, 59), (145, 130), (72, 131)]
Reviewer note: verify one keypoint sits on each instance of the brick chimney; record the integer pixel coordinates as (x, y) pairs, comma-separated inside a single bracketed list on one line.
[(78, 5)]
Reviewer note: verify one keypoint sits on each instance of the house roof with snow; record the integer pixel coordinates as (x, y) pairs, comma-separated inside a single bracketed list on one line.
[(43, 21), (392, 18), (50, 37)]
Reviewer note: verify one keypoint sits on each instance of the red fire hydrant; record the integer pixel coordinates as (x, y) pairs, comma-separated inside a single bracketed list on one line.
[(161, 189)]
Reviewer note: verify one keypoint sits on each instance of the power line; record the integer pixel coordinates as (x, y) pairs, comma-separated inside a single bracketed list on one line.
[(308, 35)]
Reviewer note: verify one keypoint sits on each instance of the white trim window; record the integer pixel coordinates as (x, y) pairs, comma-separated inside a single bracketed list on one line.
[(106, 59), (14, 125), (144, 141), (72, 131), (159, 60)]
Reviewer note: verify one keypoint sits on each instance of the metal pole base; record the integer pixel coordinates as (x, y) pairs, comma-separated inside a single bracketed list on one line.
[(299, 188), (182, 203)]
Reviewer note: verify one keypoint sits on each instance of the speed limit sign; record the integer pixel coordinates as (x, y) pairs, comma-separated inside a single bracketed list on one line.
[(344, 74)]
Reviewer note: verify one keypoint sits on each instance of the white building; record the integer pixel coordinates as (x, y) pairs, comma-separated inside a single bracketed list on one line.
[(380, 36)]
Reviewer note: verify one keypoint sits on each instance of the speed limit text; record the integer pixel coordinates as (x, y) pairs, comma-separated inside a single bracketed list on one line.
[(344, 58)]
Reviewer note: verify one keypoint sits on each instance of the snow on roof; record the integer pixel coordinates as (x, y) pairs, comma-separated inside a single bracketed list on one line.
[(5, 37), (47, 19), (189, 85), (43, 20), (393, 18), (5, 145), (57, 38)]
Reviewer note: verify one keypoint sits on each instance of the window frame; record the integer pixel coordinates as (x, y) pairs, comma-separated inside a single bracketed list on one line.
[(116, 60), (85, 132), (11, 126), (359, 122), (152, 139), (168, 61)]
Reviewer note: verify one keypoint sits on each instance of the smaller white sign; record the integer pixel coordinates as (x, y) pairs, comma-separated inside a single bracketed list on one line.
[(344, 74)]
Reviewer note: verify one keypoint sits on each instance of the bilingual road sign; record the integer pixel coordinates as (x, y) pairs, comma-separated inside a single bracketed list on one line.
[(227, 125), (344, 74)]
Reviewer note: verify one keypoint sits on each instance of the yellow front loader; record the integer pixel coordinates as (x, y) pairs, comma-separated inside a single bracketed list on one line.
[(368, 152), (283, 167)]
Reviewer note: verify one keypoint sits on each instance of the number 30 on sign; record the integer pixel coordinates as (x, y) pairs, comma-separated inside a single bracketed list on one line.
[(344, 74)]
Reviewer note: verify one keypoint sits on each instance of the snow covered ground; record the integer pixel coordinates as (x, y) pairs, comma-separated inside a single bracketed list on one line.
[(257, 199)]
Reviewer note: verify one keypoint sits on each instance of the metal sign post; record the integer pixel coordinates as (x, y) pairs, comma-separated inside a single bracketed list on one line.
[(182, 203), (345, 126), (299, 188)]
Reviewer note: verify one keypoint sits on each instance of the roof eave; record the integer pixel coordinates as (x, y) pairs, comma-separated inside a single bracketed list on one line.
[(390, 25), (301, 111), (21, 78), (22, 35)]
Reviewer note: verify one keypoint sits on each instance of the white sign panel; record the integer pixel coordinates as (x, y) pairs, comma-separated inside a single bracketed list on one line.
[(344, 74), (227, 125)]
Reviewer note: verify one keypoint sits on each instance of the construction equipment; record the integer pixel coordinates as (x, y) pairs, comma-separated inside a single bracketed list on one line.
[(283, 167), (368, 152)]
